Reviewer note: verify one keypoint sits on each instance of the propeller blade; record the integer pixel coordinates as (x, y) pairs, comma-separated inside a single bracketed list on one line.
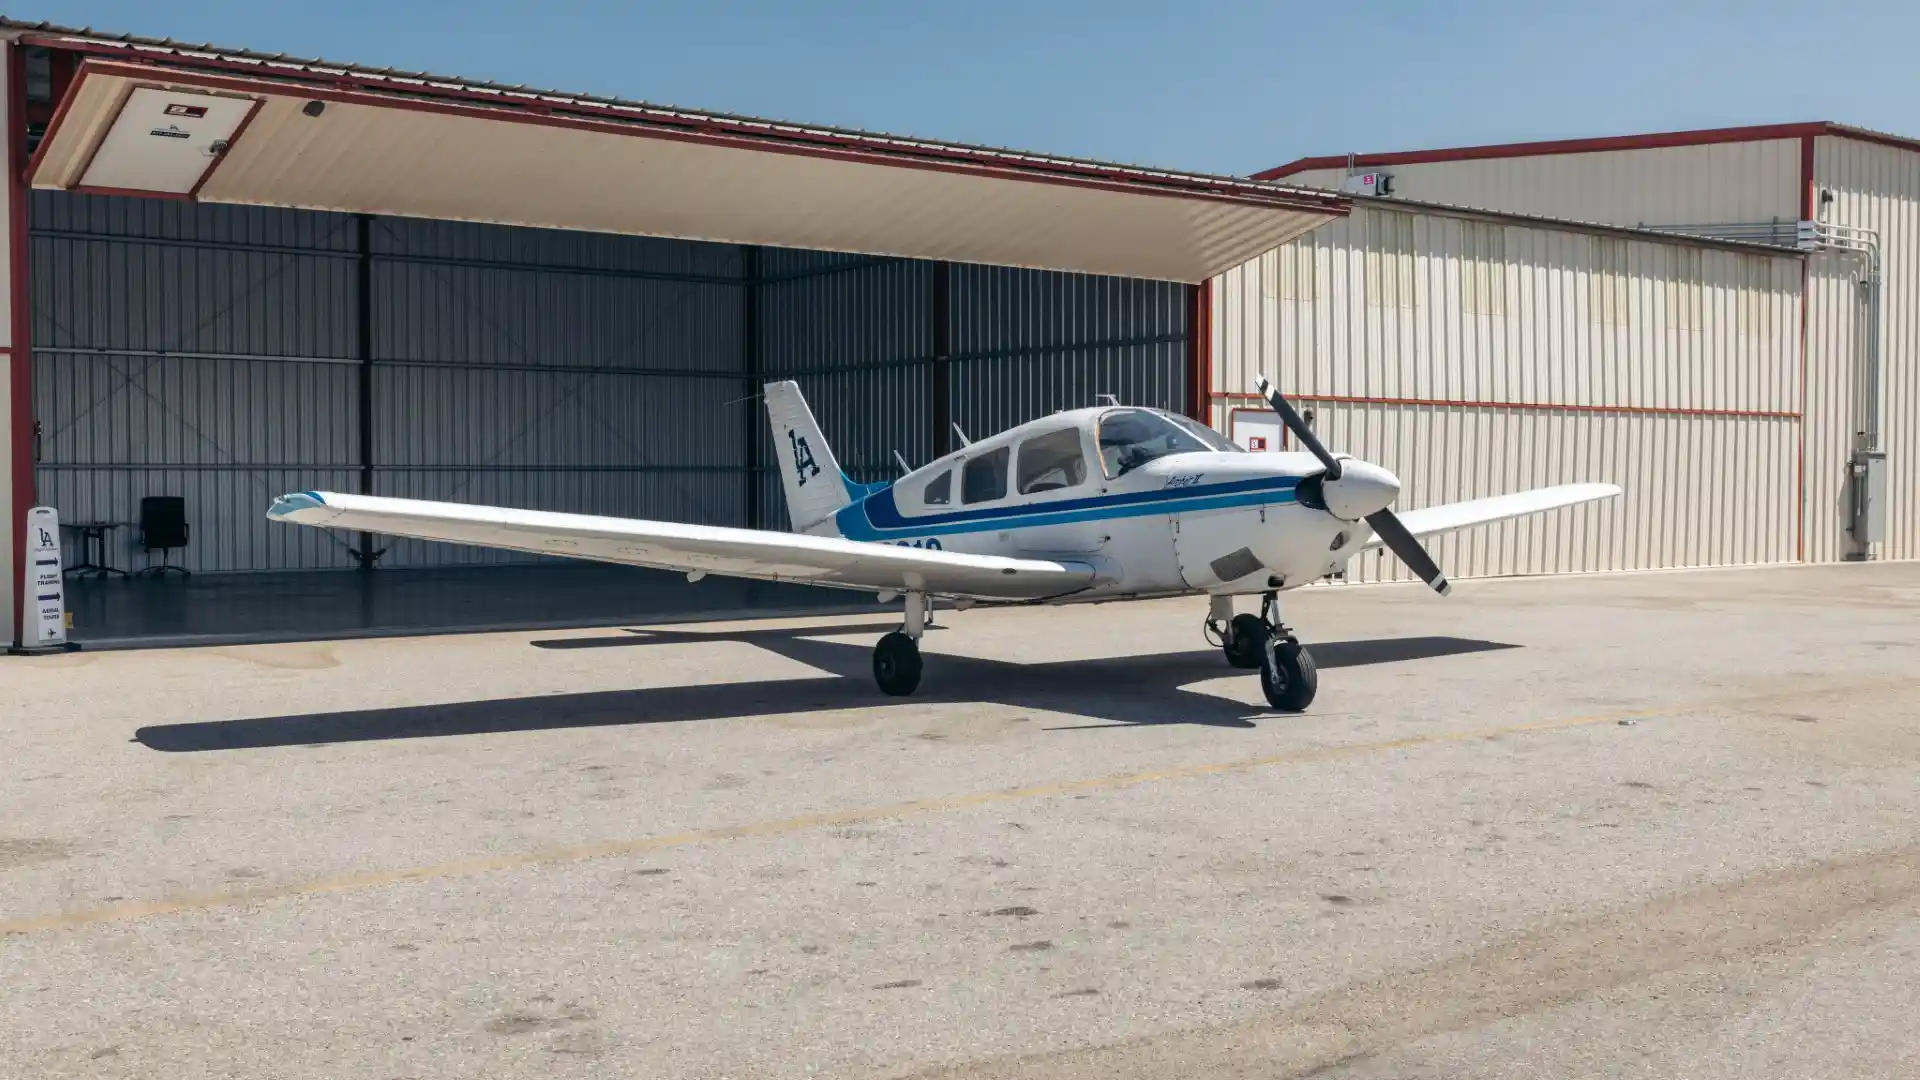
[(1395, 536), (1296, 425)]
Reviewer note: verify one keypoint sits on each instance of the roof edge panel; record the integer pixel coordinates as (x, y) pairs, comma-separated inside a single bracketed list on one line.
[(321, 74), (1651, 141), (372, 150)]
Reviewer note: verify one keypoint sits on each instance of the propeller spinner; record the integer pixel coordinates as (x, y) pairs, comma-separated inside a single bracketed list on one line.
[(1355, 490)]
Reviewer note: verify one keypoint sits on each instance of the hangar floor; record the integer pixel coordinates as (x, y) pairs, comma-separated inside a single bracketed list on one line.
[(215, 609), (1622, 826)]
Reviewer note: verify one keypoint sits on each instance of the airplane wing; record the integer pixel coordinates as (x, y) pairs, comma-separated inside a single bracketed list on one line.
[(747, 553), (1451, 516)]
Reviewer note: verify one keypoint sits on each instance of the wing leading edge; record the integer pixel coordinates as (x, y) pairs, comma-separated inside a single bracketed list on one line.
[(747, 553), (1448, 517)]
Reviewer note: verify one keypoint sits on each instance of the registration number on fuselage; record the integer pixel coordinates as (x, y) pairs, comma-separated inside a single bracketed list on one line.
[(929, 544)]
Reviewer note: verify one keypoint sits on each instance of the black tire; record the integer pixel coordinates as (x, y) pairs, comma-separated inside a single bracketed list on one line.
[(1246, 641), (1288, 676), (896, 664)]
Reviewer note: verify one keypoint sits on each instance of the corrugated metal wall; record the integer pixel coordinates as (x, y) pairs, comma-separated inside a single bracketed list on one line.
[(856, 334), (573, 372), (1475, 357), (1745, 181), (862, 338), (218, 353), (1027, 343), (1874, 187), (215, 353), (181, 350)]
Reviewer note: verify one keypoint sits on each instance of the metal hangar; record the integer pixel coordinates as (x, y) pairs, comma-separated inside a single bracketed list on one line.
[(234, 275), (1800, 425)]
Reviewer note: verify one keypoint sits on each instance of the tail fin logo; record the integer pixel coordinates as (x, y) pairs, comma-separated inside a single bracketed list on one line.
[(803, 463)]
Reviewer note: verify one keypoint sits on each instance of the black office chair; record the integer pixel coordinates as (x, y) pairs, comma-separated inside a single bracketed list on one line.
[(163, 527)]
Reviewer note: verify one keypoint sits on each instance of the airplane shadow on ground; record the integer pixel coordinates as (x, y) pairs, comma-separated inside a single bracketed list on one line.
[(1121, 690)]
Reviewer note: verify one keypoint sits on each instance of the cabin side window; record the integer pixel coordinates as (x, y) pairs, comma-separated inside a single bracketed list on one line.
[(939, 490), (1050, 462), (984, 478)]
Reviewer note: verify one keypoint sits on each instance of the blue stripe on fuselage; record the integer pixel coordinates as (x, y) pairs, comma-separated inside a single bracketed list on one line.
[(879, 518)]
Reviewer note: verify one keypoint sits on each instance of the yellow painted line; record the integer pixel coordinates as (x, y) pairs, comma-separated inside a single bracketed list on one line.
[(173, 905)]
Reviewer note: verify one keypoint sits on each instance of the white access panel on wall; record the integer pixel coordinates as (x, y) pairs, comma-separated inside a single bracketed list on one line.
[(165, 141), (1257, 430)]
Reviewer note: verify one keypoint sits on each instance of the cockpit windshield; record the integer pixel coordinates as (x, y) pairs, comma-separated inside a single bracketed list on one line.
[(1129, 438)]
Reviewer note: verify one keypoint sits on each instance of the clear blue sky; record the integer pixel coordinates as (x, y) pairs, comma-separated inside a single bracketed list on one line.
[(1221, 87)]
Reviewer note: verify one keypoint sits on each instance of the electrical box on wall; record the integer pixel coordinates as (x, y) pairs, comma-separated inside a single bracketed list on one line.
[(1368, 183), (1257, 430), (1869, 496)]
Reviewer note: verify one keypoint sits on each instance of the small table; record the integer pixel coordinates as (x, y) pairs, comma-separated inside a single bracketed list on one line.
[(93, 543)]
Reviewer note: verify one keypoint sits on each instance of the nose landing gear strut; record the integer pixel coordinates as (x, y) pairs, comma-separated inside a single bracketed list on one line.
[(1287, 673)]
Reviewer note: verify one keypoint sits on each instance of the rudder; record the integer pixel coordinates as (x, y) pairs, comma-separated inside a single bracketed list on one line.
[(816, 489)]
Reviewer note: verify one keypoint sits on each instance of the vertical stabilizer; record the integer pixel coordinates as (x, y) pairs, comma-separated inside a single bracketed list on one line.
[(815, 487)]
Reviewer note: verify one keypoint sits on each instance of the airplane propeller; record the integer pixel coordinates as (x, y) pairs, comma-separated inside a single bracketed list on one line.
[(1350, 489)]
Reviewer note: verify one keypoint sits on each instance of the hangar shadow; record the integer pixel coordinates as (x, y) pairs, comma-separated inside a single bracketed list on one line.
[(1122, 690)]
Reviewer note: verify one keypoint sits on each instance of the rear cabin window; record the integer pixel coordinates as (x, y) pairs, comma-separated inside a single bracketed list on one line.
[(939, 490), (1050, 462), (984, 478)]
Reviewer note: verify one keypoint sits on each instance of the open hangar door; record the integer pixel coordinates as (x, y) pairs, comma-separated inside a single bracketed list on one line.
[(900, 356), (251, 274), (226, 355)]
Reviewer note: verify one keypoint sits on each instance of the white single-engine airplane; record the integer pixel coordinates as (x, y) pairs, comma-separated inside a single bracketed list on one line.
[(1106, 503)]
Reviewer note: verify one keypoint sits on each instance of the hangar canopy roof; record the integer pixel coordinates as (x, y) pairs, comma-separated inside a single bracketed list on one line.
[(163, 119)]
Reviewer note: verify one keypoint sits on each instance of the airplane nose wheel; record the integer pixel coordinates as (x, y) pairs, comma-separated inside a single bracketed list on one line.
[(1287, 674)]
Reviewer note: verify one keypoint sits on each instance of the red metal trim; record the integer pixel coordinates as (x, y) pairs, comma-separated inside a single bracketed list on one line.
[(1639, 410), (1200, 351), (239, 129), (62, 63), (94, 189), (1842, 131), (1809, 204), (664, 123), (1656, 141), (61, 108), (20, 348)]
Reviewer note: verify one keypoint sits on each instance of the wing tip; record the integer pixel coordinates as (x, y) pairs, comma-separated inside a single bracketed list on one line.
[(286, 506)]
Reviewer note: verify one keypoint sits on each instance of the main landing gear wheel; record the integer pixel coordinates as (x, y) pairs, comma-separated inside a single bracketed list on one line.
[(896, 664), (1246, 641), (1287, 675)]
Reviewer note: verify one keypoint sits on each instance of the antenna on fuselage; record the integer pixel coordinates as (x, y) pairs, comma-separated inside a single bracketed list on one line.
[(1108, 398), (964, 441), (904, 467)]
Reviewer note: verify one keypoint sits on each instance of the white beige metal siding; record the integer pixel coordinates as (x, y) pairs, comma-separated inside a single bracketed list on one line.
[(1746, 181), (1874, 187), (1515, 360)]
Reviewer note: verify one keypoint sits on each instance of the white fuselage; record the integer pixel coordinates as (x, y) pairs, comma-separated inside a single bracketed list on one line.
[(1199, 520)]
